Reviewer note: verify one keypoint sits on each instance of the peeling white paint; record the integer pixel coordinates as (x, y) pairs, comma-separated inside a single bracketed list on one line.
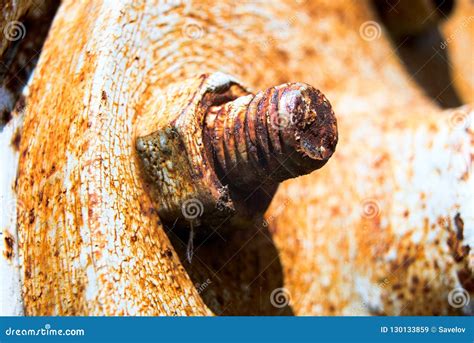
[(92, 287), (218, 80), (433, 165), (11, 303), (371, 294)]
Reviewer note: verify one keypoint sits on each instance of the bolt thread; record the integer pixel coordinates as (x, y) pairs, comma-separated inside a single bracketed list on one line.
[(280, 133)]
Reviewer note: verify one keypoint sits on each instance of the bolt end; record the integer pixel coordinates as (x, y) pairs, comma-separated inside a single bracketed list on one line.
[(313, 129), (309, 138)]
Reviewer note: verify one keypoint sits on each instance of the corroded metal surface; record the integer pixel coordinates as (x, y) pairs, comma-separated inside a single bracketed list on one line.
[(280, 133), (172, 152), (210, 151), (91, 243)]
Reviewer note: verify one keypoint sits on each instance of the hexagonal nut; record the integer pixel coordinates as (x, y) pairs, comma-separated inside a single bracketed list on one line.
[(178, 173)]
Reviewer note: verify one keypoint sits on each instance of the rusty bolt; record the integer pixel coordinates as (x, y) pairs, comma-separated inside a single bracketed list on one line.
[(280, 133), (215, 152)]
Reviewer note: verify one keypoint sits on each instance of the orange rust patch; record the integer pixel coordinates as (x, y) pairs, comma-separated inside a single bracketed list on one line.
[(15, 142), (41, 161), (104, 97), (9, 241), (455, 241)]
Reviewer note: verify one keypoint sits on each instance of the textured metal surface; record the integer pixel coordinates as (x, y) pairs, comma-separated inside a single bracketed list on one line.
[(280, 133), (172, 152), (210, 151), (90, 239)]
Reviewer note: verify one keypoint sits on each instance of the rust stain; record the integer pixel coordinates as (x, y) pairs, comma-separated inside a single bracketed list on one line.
[(15, 142), (9, 243), (248, 142), (319, 250)]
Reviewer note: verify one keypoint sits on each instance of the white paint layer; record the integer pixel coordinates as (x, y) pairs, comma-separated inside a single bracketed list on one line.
[(11, 303)]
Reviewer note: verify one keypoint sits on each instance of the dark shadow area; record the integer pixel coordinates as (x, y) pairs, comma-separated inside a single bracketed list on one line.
[(26, 38), (428, 63), (236, 274), (423, 52)]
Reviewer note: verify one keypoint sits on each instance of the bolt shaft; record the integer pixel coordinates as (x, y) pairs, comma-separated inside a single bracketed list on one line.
[(280, 133)]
